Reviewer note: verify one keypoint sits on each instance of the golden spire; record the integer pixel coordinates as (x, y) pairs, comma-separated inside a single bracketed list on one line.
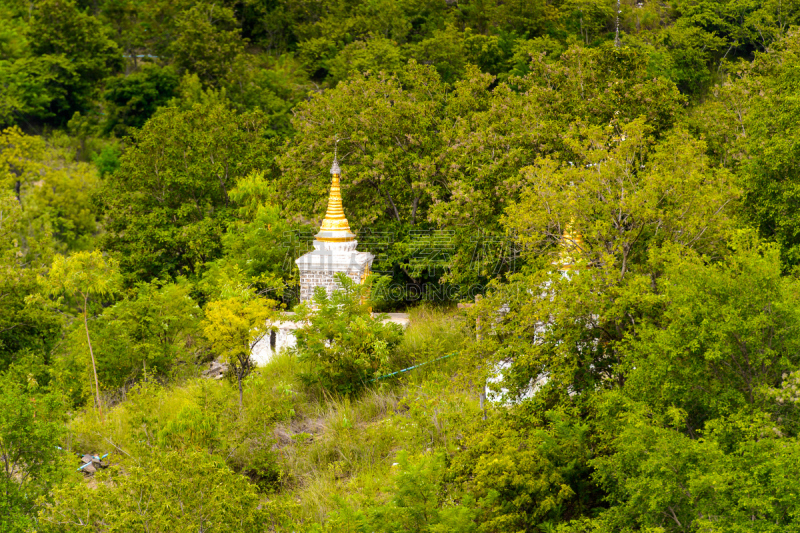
[(571, 246), (335, 227)]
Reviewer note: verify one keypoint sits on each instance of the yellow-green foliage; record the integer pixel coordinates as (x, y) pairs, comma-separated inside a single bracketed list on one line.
[(342, 347), (19, 158), (306, 454), (84, 275), (345, 448), (234, 325), (53, 189), (176, 492)]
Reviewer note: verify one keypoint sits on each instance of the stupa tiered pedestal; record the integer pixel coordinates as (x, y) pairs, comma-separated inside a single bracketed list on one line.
[(319, 267)]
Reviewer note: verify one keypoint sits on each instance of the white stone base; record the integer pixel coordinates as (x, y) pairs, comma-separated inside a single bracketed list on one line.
[(263, 352), (319, 267)]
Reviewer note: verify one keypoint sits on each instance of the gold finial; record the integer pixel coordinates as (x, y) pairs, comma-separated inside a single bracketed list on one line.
[(571, 246), (335, 221)]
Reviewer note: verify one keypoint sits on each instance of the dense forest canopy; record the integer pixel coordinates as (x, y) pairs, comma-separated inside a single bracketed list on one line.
[(163, 163)]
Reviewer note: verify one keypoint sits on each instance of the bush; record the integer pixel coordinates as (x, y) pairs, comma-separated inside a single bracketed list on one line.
[(342, 346), (189, 491), (420, 504), (31, 427), (147, 334)]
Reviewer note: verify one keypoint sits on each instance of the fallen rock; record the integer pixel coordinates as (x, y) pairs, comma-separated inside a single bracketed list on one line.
[(216, 370)]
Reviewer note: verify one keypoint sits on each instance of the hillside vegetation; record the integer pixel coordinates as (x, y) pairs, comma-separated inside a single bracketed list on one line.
[(616, 180)]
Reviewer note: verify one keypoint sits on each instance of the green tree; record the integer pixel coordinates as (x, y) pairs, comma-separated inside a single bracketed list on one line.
[(374, 55), (148, 332), (141, 29), (742, 26), (84, 275), (260, 244), (523, 17), (768, 171), (133, 99), (526, 119), (342, 344), (23, 90), (62, 201), (20, 155), (167, 205), (337, 24), (271, 85), (525, 467), (31, 426), (741, 475), (725, 333), (78, 53), (444, 50), (590, 19), (25, 326), (599, 214), (208, 42), (54, 191), (233, 326), (107, 161), (391, 137), (699, 438), (619, 185), (687, 55)]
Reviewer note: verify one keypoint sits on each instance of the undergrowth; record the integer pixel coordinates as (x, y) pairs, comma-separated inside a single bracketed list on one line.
[(308, 454)]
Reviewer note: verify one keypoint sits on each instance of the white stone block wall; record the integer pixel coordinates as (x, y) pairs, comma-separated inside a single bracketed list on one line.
[(311, 279), (263, 352), (285, 338)]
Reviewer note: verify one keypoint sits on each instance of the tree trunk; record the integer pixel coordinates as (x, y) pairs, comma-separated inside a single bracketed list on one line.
[(91, 353), (239, 379), (414, 206)]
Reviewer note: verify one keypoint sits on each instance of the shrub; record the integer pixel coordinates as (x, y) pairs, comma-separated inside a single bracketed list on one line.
[(31, 426), (189, 491), (420, 503), (342, 346)]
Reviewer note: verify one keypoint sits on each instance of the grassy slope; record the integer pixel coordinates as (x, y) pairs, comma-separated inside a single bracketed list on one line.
[(306, 449)]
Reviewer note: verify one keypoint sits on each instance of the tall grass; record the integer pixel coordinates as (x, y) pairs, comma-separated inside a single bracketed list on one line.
[(344, 448), (326, 448), (432, 332)]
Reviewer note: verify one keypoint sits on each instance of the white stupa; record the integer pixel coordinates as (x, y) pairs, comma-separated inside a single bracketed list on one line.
[(334, 252), (334, 249)]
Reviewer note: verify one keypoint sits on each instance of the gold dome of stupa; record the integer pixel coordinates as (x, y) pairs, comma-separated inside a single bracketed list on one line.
[(335, 227)]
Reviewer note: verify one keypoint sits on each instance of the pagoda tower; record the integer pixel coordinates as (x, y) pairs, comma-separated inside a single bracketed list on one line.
[(334, 249), (570, 249)]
